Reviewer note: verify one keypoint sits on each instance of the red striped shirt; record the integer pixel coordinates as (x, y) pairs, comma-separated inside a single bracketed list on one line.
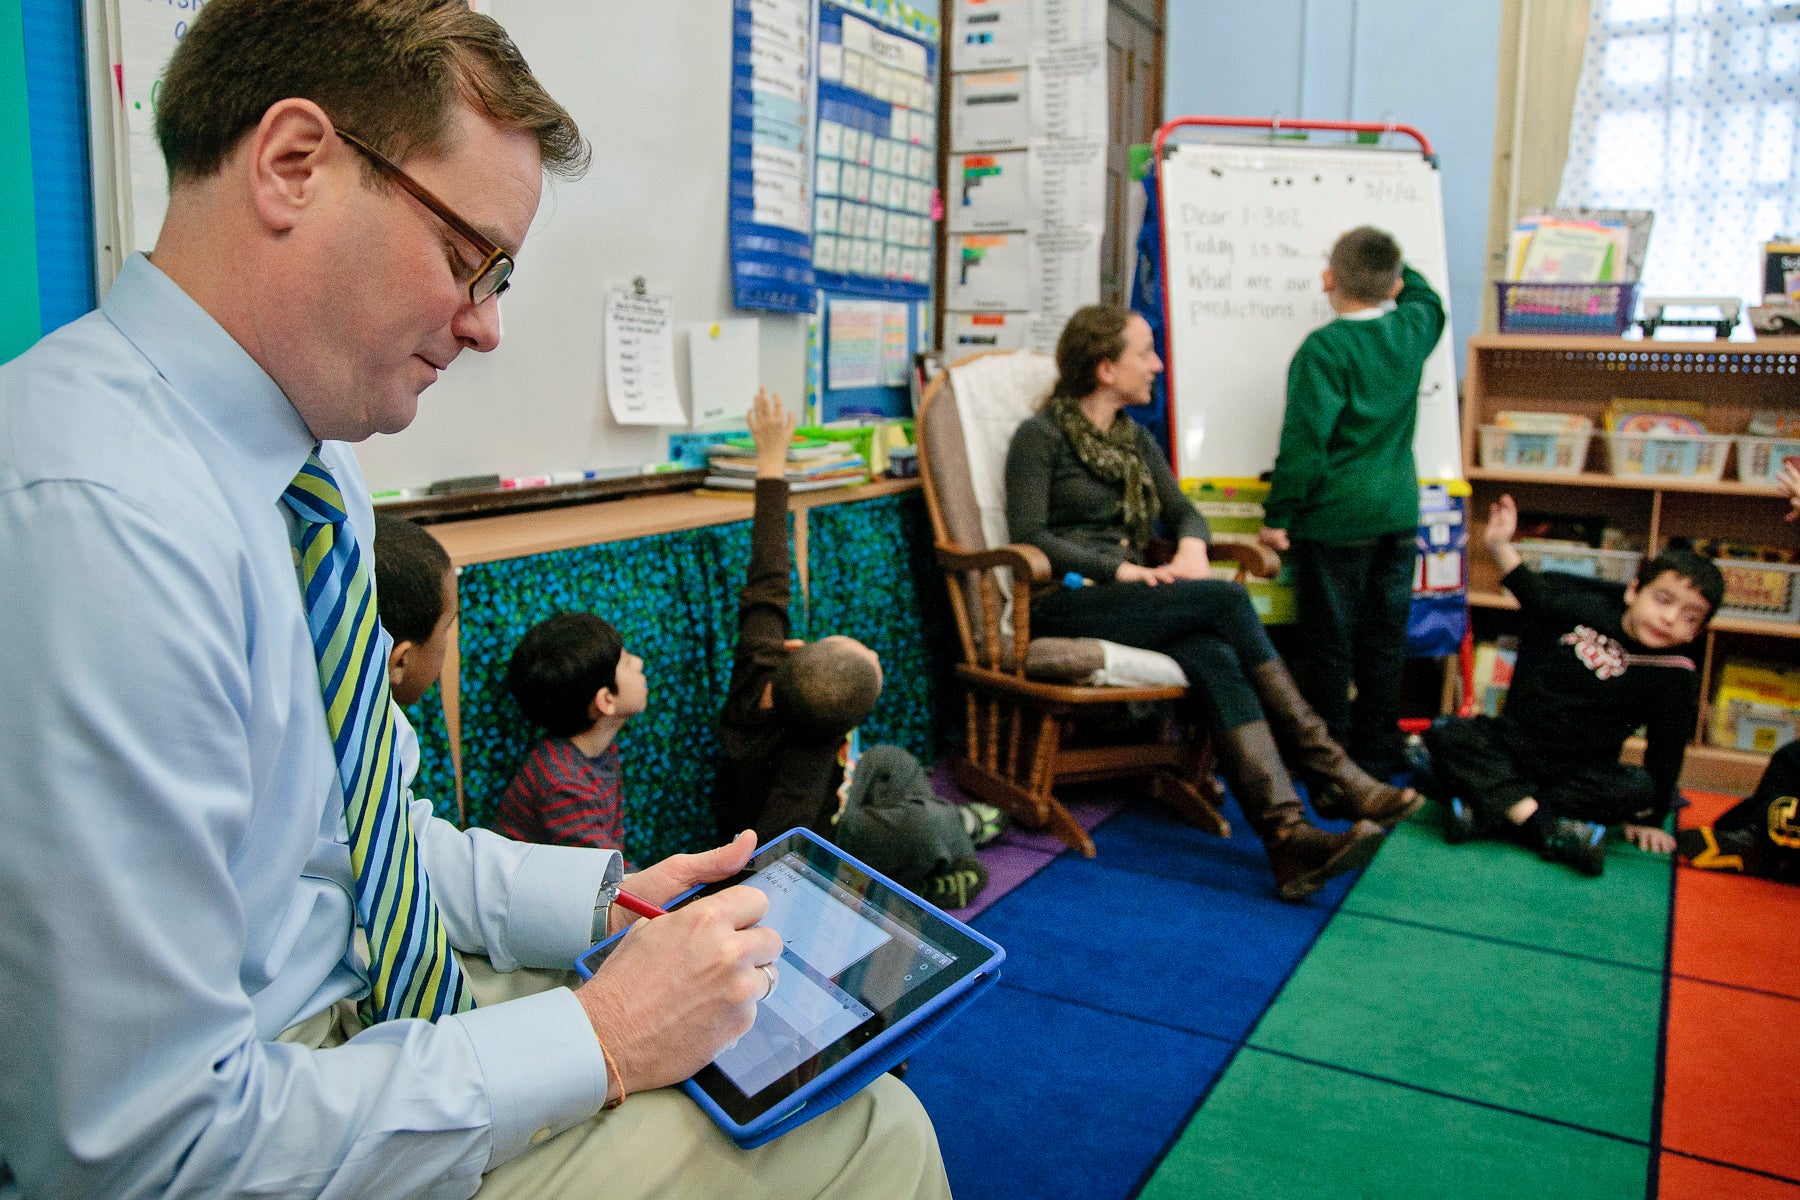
[(561, 797)]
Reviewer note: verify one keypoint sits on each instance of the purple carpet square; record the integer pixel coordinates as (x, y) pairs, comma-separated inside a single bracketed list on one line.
[(1008, 867)]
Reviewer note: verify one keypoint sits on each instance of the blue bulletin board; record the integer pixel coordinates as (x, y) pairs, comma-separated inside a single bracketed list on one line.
[(771, 159)]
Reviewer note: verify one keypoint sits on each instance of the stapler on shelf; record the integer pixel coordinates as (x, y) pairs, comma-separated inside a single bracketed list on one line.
[(1720, 313)]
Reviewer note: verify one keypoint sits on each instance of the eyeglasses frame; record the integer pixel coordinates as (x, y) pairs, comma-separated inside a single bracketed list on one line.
[(491, 255)]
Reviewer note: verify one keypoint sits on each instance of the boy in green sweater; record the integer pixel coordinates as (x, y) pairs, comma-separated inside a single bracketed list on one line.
[(1344, 498)]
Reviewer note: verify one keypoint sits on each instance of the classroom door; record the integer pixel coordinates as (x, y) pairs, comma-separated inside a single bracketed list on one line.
[(1134, 78)]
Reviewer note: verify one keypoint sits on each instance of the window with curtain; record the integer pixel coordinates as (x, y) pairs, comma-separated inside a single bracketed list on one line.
[(1691, 108)]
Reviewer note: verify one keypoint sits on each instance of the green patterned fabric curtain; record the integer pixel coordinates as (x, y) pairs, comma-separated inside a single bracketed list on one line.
[(674, 600)]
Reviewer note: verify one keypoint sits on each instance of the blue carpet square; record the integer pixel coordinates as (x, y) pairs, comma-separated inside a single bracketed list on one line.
[(1034, 1096), (1195, 957), (1151, 839)]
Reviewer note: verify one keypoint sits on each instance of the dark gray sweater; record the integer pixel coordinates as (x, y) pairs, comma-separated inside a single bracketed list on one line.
[(1055, 503)]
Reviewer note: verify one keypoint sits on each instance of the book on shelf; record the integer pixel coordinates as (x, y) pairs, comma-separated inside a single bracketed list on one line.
[(1543, 422), (747, 483), (799, 449), (851, 464), (1674, 418), (1771, 424)]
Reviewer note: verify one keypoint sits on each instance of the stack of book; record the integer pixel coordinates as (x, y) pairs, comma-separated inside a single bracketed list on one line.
[(811, 464)]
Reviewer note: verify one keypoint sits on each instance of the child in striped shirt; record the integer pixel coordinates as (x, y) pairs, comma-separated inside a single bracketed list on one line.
[(572, 676)]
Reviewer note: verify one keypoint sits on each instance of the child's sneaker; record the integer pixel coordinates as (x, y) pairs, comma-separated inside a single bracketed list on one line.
[(983, 822), (957, 885), (1577, 843), (1461, 821)]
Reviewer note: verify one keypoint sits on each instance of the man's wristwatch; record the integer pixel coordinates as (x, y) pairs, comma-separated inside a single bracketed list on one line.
[(609, 891)]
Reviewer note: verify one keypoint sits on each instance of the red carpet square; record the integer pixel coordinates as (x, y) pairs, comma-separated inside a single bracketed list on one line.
[(1733, 1077), (1684, 1179), (1704, 807), (1732, 929)]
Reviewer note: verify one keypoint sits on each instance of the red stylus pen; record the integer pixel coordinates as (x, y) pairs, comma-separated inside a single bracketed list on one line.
[(638, 905)]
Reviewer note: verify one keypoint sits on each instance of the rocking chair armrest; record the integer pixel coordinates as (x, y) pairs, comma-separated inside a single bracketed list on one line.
[(1028, 563), (1253, 558)]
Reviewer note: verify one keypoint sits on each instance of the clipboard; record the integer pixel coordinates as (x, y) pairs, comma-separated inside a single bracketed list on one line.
[(868, 973)]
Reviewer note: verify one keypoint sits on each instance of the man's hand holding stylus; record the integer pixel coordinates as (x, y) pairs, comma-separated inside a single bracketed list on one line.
[(679, 988)]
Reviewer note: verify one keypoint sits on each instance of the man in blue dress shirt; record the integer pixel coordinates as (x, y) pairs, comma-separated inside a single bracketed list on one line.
[(179, 959)]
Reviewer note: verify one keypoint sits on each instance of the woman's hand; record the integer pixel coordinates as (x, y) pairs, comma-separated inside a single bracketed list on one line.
[(1130, 572), (1190, 561)]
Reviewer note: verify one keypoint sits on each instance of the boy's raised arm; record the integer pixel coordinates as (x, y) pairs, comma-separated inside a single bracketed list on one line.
[(1502, 527)]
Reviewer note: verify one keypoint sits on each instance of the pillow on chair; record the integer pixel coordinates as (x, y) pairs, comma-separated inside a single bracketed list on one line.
[(1099, 663)]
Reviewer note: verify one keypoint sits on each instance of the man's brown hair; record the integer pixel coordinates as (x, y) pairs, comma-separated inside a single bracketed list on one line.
[(1094, 334), (1365, 263), (389, 71)]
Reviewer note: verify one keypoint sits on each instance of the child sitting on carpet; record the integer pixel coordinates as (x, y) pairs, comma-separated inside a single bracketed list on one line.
[(572, 676), (1595, 663), (1760, 835), (787, 728)]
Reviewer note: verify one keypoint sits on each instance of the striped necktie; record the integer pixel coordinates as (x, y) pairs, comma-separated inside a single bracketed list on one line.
[(411, 970)]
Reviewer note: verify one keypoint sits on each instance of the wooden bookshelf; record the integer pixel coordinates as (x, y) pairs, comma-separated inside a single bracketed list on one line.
[(1541, 373)]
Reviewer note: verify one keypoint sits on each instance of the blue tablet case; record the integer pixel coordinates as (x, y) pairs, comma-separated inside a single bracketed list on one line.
[(890, 1047)]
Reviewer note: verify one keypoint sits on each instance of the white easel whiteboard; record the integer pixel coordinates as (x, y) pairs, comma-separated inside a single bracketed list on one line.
[(1247, 230)]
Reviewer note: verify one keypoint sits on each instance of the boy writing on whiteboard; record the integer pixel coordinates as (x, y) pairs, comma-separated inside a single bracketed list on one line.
[(1344, 498)]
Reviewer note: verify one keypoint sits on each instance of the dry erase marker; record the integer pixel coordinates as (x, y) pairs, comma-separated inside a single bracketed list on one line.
[(393, 494), (526, 481), (638, 905)]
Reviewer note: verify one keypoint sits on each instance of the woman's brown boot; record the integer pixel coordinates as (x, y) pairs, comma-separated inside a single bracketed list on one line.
[(1302, 855), (1340, 788)]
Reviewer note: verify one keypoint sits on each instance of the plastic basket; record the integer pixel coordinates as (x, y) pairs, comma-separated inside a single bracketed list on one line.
[(1604, 308), (1759, 458), (1687, 457), (1552, 453), (1760, 591), (1614, 566)]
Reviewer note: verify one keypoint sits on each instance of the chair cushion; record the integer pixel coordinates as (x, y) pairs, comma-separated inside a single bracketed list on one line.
[(1064, 660), (1099, 663)]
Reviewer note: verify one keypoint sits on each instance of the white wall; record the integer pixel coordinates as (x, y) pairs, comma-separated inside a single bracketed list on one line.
[(1419, 62), (650, 85)]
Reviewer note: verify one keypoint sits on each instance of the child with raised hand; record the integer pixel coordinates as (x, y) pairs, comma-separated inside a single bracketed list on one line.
[(572, 675), (1596, 663), (788, 722), (1344, 497)]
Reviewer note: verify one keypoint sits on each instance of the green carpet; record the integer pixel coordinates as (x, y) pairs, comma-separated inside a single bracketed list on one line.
[(1493, 889), (1523, 1029), (1472, 1022), (1275, 1128)]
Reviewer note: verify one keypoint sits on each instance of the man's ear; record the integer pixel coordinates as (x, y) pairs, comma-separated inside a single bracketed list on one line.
[(398, 659), (286, 154)]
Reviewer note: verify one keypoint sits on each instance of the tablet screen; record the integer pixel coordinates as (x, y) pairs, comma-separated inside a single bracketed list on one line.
[(858, 956)]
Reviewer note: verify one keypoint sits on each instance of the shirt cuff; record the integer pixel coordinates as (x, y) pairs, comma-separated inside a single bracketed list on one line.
[(543, 1068), (552, 912)]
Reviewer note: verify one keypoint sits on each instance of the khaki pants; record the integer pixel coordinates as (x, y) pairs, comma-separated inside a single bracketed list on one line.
[(879, 1143)]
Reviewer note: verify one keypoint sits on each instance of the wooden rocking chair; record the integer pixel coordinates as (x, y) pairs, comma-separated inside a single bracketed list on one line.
[(1029, 712)]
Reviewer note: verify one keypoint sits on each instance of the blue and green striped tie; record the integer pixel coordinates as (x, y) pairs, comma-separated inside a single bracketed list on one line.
[(411, 969)]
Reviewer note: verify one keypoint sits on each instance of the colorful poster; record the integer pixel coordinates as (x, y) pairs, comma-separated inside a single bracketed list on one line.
[(772, 183)]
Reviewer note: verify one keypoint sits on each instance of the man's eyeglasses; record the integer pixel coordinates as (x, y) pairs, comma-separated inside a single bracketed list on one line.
[(491, 277)]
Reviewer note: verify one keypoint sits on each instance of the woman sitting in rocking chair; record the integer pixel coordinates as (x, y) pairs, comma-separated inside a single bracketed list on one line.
[(1086, 485)]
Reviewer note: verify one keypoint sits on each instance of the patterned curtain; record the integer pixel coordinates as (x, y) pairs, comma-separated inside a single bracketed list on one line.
[(1690, 108), (674, 600)]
